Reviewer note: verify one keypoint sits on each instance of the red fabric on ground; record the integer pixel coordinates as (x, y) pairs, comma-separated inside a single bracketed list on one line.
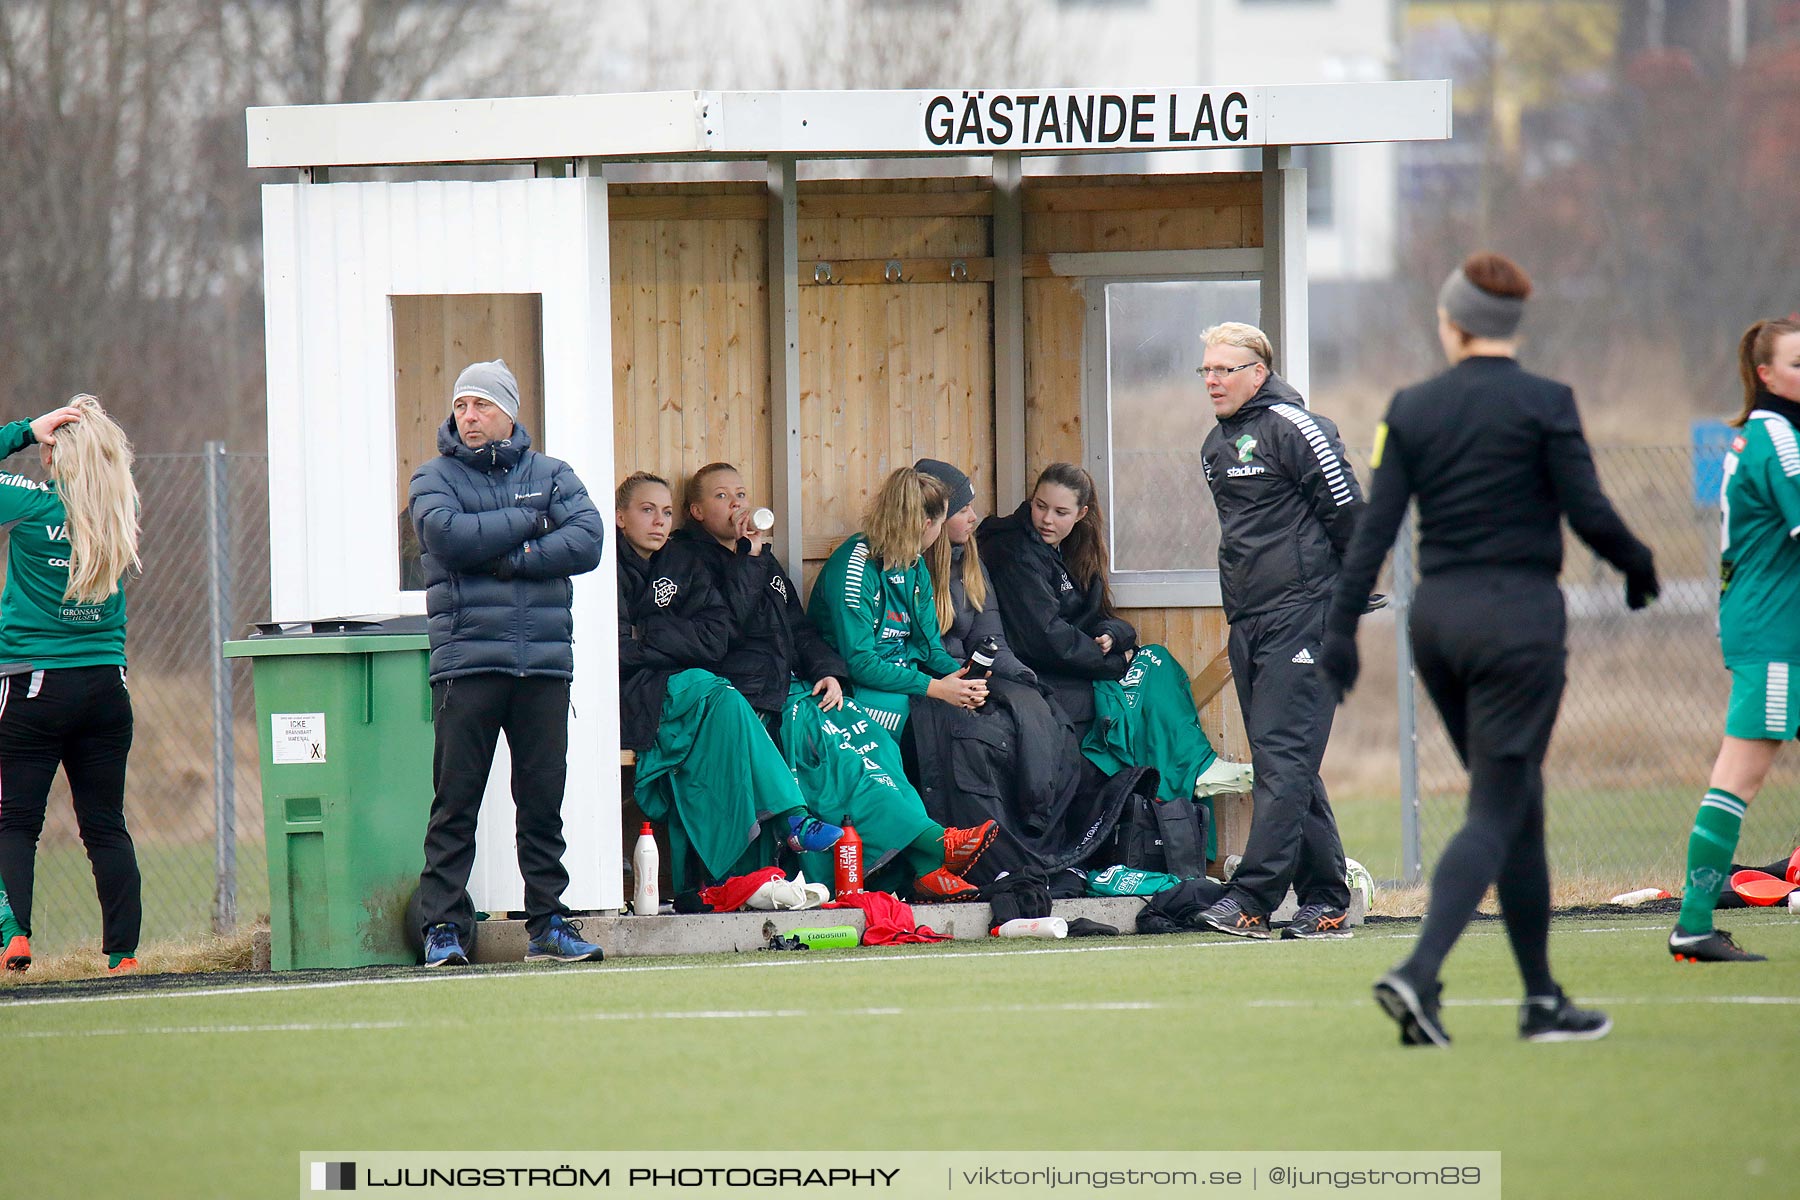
[(888, 920), (736, 891)]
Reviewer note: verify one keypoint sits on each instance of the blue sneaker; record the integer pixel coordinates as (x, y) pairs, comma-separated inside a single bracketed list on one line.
[(810, 834), (562, 943), (443, 948)]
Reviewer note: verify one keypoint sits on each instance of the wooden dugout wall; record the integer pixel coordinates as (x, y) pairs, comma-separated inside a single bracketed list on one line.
[(889, 371)]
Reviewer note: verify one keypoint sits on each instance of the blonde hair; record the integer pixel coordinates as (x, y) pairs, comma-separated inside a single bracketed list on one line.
[(695, 491), (91, 460), (937, 559), (623, 493), (897, 515), (1236, 333)]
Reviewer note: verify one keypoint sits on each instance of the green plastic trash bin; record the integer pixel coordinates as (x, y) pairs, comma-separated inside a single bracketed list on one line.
[(343, 711)]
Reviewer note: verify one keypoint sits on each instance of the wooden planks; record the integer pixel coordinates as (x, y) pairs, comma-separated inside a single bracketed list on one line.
[(690, 340), (1193, 212), (435, 337)]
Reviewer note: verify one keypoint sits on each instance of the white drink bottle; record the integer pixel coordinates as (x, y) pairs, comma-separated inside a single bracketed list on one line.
[(645, 863), (1034, 927)]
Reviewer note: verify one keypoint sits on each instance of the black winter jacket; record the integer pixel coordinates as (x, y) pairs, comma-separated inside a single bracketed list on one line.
[(1050, 623), (1287, 500), (497, 593), (671, 619), (968, 627), (771, 639)]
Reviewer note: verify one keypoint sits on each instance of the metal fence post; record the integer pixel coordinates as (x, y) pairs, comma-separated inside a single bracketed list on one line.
[(218, 559), (1412, 867)]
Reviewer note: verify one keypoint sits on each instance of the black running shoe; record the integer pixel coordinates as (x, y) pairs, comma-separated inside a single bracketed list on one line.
[(1415, 1011), (1554, 1019), (1716, 946), (1318, 921), (1228, 916)]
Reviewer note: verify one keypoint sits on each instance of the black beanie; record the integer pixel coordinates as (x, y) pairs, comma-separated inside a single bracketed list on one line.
[(962, 492)]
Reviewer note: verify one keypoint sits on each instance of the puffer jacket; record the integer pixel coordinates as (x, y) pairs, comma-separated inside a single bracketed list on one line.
[(1050, 622), (670, 619), (771, 639), (497, 592), (1287, 501)]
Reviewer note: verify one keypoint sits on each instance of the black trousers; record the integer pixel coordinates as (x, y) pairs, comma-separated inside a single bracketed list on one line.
[(1287, 709), (1489, 646), (468, 715), (78, 718)]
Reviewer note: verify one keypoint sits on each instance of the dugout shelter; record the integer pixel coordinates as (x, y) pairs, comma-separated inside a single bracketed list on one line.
[(846, 309)]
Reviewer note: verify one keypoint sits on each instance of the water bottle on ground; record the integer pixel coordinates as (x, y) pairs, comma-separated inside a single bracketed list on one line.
[(645, 863), (1034, 927), (847, 860)]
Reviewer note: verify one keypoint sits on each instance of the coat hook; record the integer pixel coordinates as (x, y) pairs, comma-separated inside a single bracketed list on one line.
[(822, 272), (959, 271), (891, 272)]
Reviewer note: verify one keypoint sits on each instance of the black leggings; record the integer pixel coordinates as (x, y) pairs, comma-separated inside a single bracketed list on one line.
[(78, 718), (1489, 648)]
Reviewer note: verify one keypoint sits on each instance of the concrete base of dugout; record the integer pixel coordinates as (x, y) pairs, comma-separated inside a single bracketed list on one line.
[(503, 940)]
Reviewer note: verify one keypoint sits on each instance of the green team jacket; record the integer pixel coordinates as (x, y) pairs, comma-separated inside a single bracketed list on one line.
[(37, 625), (884, 624)]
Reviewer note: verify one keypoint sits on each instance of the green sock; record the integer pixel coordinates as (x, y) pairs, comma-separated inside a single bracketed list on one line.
[(925, 853), (113, 960), (1710, 848)]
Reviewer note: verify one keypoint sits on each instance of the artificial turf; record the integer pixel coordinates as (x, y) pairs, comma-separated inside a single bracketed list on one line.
[(1181, 1042)]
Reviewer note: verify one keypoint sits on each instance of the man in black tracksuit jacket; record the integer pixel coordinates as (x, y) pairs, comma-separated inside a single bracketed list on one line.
[(1287, 502), (771, 639)]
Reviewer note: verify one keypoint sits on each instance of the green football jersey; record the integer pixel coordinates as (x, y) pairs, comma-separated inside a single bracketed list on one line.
[(1759, 545)]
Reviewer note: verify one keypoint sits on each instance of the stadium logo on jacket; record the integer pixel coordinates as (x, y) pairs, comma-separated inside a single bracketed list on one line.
[(664, 590)]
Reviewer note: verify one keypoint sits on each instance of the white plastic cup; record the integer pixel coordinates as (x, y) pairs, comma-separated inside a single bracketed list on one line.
[(1794, 902), (1034, 927)]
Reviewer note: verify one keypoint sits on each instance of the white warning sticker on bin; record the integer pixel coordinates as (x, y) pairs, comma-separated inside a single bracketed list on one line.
[(298, 737)]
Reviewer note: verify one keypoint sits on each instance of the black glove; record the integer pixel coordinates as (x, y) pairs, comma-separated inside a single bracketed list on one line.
[(1641, 586), (543, 525), (1338, 659)]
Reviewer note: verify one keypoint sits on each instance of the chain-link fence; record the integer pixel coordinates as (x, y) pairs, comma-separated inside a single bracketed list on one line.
[(1640, 721), (1645, 704), (205, 530)]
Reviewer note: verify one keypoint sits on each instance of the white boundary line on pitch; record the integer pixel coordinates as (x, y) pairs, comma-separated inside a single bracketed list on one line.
[(477, 976), (780, 1014)]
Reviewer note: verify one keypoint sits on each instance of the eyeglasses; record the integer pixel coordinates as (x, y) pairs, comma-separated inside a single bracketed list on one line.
[(1222, 372)]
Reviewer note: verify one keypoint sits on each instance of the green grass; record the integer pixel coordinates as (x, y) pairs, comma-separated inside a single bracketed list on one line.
[(1236, 1045), (178, 893)]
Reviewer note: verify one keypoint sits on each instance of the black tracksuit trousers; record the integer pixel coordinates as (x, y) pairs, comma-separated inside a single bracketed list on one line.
[(469, 713), (1489, 645), (78, 718), (1287, 709)]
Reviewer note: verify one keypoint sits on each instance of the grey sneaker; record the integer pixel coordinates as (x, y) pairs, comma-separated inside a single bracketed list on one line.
[(1318, 921), (1228, 916)]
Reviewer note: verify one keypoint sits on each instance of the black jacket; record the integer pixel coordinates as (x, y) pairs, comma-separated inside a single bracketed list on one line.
[(1050, 622), (968, 627), (671, 619), (1287, 500), (1497, 459), (771, 639), (497, 592)]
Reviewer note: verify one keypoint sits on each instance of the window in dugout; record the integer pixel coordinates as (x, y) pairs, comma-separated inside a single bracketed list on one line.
[(435, 337)]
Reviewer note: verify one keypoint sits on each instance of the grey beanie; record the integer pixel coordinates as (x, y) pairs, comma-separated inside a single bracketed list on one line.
[(492, 381), (962, 492), (1477, 312)]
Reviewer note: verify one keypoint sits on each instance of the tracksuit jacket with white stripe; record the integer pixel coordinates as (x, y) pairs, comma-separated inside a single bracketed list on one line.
[(1287, 502)]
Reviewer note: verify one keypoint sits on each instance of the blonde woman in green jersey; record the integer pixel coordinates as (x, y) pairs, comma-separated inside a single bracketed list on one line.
[(1759, 623), (63, 701)]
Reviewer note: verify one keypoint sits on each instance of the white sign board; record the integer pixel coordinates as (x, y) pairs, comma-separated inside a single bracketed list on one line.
[(297, 737)]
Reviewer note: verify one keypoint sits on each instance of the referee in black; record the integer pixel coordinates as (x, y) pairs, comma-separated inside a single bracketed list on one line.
[(1496, 458)]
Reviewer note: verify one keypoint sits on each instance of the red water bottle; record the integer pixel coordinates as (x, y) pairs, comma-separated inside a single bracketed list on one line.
[(847, 861)]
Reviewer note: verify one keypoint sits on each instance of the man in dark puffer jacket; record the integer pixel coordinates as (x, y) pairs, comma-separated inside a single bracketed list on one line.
[(501, 528)]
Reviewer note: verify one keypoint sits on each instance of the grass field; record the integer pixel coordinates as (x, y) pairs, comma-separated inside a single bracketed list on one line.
[(1167, 1043)]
